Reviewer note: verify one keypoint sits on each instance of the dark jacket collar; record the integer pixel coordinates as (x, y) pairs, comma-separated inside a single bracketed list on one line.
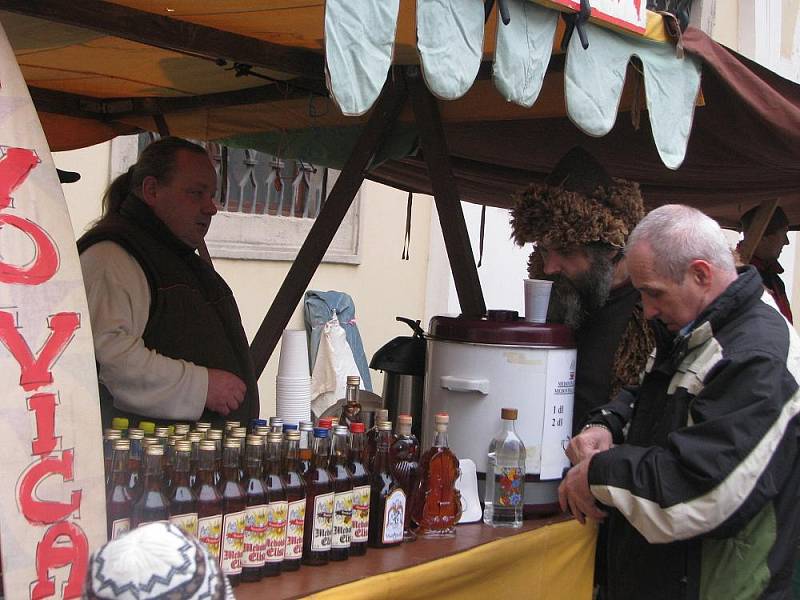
[(134, 209)]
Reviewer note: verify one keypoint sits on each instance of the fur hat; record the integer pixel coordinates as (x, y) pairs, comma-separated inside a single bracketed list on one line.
[(578, 204)]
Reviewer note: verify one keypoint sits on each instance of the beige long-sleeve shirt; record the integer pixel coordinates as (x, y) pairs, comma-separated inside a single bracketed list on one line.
[(141, 380)]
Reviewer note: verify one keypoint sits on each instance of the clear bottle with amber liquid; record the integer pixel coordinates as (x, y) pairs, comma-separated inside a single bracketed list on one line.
[(296, 498), (182, 500), (361, 489), (404, 458), (387, 507), (135, 459), (255, 529), (319, 503), (152, 505), (342, 494), (381, 414), (118, 497), (277, 505), (234, 504), (306, 447), (436, 505), (351, 409), (209, 500)]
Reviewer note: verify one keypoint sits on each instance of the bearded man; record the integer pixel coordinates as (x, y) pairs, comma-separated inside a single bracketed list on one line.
[(579, 220)]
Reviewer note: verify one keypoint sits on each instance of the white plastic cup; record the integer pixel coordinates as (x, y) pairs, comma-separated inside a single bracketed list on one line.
[(537, 299), (293, 361)]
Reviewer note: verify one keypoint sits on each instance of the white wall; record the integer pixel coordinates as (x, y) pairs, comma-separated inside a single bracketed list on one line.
[(383, 286)]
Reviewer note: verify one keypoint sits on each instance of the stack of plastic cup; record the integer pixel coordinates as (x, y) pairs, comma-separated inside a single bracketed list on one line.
[(293, 383)]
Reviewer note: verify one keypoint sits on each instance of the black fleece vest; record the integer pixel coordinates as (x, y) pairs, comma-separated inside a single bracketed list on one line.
[(193, 315)]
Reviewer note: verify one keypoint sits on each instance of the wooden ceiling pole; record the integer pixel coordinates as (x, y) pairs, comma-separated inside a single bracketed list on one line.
[(445, 193), (383, 116), (756, 230)]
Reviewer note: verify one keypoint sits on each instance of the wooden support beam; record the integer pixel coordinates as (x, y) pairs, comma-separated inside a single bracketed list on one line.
[(445, 193), (383, 116), (171, 34), (756, 230)]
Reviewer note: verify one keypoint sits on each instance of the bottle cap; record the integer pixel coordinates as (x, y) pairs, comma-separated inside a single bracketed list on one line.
[(208, 445), (441, 419), (509, 414), (202, 425), (404, 419), (112, 434), (306, 426), (122, 445), (289, 427), (382, 414), (147, 427), (183, 446), (120, 423), (292, 436), (135, 434), (238, 432), (194, 436), (232, 442), (327, 423), (154, 450), (340, 430), (147, 442), (275, 421), (354, 380), (320, 432), (254, 440), (183, 428), (263, 430), (274, 436), (384, 425), (357, 427), (162, 431)]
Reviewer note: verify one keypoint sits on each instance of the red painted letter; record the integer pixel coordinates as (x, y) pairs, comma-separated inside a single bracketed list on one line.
[(15, 165), (45, 262), (54, 554), (36, 370), (45, 407), (41, 512)]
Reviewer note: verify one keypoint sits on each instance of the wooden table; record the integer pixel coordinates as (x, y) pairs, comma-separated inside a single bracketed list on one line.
[(550, 558)]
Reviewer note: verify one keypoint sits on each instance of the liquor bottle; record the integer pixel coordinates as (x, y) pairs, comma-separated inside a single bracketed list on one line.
[(437, 502), (183, 428), (296, 497), (182, 500), (505, 475), (152, 505), (118, 497), (240, 435), (387, 506), (342, 494), (255, 529), (361, 489), (276, 424), (306, 447), (234, 503), (404, 458), (135, 436), (351, 410), (169, 460), (319, 503), (109, 437), (372, 437), (277, 506), (209, 500), (162, 435), (215, 435), (194, 437)]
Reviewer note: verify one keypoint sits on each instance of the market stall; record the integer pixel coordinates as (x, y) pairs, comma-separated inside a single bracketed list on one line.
[(253, 74)]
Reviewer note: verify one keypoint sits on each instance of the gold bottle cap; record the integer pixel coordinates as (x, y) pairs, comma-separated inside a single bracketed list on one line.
[(274, 436), (254, 440), (154, 450), (182, 428), (183, 446), (202, 425), (122, 445), (208, 445), (135, 434), (509, 414), (384, 425), (176, 438), (263, 430), (162, 430), (353, 380), (147, 442), (214, 434), (231, 442), (292, 436), (194, 436), (112, 434)]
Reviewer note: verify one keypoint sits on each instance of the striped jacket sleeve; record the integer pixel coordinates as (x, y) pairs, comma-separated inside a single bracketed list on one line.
[(718, 470)]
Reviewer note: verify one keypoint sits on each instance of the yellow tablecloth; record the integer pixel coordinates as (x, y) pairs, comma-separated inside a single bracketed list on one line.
[(550, 563)]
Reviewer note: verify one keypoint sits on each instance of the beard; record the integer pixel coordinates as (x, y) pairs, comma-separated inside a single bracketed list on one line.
[(574, 301)]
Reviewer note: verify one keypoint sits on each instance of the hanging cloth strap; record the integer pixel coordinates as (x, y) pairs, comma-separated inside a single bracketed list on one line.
[(407, 240), (482, 235)]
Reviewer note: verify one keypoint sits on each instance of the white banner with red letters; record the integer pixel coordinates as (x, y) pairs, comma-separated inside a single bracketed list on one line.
[(626, 14), (52, 503)]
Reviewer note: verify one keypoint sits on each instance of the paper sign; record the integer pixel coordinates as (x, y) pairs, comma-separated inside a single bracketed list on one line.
[(627, 14), (52, 503), (557, 413)]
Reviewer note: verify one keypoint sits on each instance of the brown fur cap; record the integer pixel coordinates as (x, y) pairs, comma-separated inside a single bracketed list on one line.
[(578, 204)]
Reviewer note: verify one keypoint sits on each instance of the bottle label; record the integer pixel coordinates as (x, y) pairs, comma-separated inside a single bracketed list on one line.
[(509, 482), (255, 536), (187, 523), (209, 532), (361, 497), (277, 515), (323, 523), (230, 558), (119, 528), (342, 519), (295, 526), (394, 514)]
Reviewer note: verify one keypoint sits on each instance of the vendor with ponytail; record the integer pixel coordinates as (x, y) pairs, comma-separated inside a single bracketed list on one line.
[(168, 336)]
